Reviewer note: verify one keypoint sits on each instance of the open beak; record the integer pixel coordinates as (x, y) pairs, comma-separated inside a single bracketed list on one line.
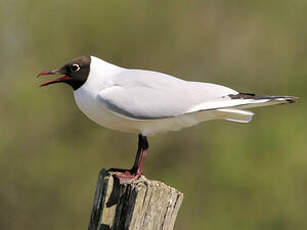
[(53, 72)]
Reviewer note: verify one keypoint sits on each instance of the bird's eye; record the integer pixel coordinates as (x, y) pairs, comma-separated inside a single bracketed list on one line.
[(75, 67)]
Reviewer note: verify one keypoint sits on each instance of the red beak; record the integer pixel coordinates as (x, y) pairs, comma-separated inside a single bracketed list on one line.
[(52, 72)]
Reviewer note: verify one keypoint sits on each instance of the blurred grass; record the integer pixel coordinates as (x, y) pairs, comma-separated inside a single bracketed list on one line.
[(233, 176)]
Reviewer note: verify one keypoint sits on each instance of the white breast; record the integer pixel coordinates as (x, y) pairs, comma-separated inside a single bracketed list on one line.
[(100, 77), (88, 103)]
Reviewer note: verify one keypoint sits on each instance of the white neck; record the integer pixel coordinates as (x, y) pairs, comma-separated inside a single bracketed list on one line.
[(100, 74)]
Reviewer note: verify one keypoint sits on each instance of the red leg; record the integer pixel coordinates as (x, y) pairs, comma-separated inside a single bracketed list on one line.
[(140, 168), (137, 169)]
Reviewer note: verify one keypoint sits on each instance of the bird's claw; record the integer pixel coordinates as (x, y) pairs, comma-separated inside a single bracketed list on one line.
[(126, 176)]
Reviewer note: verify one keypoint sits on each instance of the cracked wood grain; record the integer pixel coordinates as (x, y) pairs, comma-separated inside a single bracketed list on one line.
[(141, 204)]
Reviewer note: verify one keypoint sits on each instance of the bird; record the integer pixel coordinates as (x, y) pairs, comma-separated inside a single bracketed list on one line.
[(146, 102)]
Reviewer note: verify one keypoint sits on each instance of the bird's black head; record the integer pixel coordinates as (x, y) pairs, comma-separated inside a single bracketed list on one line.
[(75, 72)]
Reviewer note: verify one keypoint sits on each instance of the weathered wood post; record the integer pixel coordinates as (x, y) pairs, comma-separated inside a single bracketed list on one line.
[(138, 205)]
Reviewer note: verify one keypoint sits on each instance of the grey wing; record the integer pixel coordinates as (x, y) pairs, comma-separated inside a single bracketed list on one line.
[(143, 95)]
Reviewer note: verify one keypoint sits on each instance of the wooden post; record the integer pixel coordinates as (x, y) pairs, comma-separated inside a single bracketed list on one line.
[(138, 205)]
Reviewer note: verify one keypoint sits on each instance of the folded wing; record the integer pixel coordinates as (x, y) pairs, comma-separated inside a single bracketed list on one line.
[(138, 94), (144, 95)]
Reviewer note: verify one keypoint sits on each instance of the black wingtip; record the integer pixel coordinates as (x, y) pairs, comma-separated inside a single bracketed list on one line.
[(289, 99)]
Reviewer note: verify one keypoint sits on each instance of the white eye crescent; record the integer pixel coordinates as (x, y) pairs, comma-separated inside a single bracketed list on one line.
[(75, 67)]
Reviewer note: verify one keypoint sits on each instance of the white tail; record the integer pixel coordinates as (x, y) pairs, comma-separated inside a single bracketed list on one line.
[(235, 115)]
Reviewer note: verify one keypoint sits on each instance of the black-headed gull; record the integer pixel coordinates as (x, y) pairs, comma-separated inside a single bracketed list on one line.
[(147, 102)]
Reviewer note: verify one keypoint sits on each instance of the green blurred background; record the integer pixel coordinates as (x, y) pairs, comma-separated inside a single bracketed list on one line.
[(234, 176)]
